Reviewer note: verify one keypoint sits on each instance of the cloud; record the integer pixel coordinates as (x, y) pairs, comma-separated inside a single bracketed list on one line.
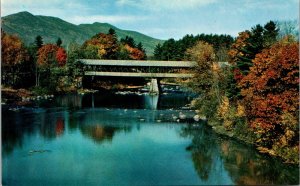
[(43, 7), (112, 19), (160, 5)]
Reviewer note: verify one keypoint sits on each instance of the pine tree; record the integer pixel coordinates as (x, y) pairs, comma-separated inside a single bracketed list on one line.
[(158, 52), (59, 42), (111, 31), (38, 41), (129, 41), (270, 33), (141, 48)]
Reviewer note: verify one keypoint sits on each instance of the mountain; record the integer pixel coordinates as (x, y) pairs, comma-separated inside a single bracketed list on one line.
[(28, 26)]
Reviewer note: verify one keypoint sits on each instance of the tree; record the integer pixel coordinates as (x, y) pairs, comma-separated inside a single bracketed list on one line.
[(101, 46), (38, 42), (250, 43), (170, 50), (47, 55), (61, 57), (74, 52), (270, 34), (237, 55), (50, 57), (141, 48), (129, 41), (59, 42), (206, 78), (13, 54), (290, 27), (158, 52), (271, 92), (111, 31), (135, 53)]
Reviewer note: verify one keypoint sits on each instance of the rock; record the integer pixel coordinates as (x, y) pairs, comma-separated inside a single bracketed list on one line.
[(196, 117), (182, 116), (203, 118)]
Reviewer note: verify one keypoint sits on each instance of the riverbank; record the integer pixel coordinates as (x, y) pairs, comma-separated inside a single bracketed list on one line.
[(246, 138), (23, 97)]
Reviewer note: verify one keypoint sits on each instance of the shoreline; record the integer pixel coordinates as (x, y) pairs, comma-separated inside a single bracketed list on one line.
[(221, 131)]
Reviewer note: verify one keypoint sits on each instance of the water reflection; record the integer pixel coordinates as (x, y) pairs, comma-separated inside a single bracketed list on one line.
[(151, 101), (59, 126), (105, 138), (243, 164), (100, 133)]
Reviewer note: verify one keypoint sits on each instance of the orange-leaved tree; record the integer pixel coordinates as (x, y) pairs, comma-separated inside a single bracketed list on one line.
[(101, 46), (237, 55), (50, 56), (13, 54), (134, 53), (271, 94), (47, 55)]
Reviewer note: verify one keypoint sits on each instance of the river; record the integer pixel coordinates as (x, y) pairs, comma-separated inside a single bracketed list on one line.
[(126, 139)]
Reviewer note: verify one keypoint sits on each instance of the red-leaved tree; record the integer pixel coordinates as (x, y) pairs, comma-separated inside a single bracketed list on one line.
[(61, 56), (271, 94)]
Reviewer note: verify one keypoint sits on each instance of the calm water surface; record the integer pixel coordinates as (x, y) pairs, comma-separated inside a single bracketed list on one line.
[(111, 139)]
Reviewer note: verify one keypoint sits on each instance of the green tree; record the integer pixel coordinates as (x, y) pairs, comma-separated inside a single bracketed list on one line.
[(141, 48), (59, 42), (111, 31), (158, 52), (206, 81), (270, 34), (38, 42), (129, 41)]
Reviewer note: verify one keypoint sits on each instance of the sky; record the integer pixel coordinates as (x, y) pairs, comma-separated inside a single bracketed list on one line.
[(163, 19)]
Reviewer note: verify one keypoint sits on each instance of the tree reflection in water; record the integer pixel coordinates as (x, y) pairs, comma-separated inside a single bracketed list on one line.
[(243, 164), (202, 153), (100, 133), (60, 126)]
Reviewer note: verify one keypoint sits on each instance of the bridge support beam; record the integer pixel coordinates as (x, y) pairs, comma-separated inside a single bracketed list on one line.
[(154, 87)]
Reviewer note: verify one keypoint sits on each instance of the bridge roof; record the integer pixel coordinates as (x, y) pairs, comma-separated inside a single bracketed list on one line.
[(138, 63)]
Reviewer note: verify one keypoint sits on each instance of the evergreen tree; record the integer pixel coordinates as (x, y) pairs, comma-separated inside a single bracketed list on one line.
[(169, 50), (59, 42), (270, 33), (38, 41), (129, 41), (141, 48), (158, 52), (111, 31)]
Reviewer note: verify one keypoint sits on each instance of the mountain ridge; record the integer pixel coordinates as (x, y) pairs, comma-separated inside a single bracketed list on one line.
[(27, 26)]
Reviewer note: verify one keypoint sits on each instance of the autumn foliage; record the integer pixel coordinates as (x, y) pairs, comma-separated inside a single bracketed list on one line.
[(271, 93), (13, 55), (134, 53), (61, 56), (12, 50), (51, 54), (101, 46)]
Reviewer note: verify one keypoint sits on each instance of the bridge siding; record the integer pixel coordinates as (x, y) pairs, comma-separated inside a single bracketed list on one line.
[(137, 74)]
